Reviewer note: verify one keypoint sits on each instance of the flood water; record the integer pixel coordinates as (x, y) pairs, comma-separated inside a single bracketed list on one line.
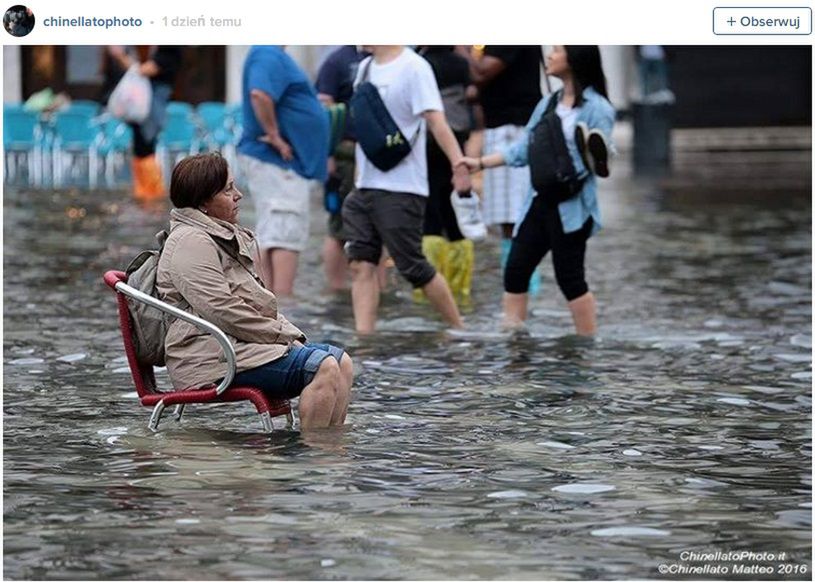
[(684, 426)]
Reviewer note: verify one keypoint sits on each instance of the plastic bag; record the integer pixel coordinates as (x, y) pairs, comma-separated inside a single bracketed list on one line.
[(130, 100)]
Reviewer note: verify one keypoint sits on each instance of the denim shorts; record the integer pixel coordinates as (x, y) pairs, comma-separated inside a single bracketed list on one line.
[(285, 378)]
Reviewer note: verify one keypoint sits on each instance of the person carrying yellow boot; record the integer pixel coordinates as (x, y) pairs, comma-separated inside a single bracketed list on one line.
[(160, 64), (443, 243)]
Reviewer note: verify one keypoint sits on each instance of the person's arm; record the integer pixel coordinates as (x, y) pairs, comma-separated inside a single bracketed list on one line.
[(474, 165), (264, 108), (198, 276), (515, 154), (485, 69), (438, 126), (166, 60), (119, 54)]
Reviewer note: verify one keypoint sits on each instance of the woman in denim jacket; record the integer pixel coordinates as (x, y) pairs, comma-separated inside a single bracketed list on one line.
[(586, 117)]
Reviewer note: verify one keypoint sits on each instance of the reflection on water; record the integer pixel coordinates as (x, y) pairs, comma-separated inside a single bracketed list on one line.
[(685, 425)]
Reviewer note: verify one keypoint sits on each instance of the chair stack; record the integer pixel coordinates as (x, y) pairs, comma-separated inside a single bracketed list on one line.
[(81, 144)]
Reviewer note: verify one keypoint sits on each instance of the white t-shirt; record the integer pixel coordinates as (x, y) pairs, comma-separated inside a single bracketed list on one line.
[(408, 89), (568, 120)]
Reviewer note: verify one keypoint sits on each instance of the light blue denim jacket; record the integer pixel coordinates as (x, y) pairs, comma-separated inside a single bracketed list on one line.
[(597, 113)]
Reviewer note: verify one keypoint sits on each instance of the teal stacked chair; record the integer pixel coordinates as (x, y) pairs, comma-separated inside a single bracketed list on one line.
[(215, 125), (22, 137), (179, 137), (76, 134), (234, 123), (117, 142), (87, 106)]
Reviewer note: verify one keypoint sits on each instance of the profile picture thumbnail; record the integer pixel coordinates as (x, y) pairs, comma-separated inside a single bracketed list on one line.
[(18, 20)]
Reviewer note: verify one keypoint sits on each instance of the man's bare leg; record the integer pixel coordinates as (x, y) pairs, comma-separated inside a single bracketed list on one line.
[(365, 295), (335, 264), (440, 297), (284, 269)]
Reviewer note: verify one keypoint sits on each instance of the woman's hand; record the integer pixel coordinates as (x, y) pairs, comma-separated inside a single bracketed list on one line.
[(149, 69)]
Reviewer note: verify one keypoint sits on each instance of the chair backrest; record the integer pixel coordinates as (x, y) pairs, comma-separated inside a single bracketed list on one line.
[(234, 112), (143, 375), (75, 129), (92, 108), (212, 114), (21, 129), (179, 133), (118, 136)]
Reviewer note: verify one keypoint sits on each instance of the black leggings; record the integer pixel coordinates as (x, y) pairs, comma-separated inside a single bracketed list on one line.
[(540, 232), (142, 147)]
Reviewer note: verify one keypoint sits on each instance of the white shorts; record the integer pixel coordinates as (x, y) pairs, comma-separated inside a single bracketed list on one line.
[(505, 188), (281, 198)]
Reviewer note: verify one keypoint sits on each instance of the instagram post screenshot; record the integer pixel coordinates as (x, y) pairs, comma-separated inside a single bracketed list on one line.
[(407, 291)]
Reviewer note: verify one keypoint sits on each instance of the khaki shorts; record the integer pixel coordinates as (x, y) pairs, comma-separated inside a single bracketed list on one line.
[(281, 198)]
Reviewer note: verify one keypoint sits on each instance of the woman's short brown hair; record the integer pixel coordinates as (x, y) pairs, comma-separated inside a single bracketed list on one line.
[(198, 178)]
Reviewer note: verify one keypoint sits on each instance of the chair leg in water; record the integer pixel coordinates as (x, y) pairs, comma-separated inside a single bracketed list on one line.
[(266, 419), (178, 412), (155, 418)]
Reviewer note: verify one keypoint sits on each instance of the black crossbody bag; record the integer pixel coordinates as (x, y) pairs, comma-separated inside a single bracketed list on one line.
[(377, 133), (553, 174)]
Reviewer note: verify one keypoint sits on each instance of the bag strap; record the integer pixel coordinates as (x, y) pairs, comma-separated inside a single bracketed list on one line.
[(554, 99), (365, 69)]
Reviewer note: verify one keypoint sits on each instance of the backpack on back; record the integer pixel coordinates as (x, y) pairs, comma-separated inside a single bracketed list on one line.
[(149, 324), (553, 174), (377, 133)]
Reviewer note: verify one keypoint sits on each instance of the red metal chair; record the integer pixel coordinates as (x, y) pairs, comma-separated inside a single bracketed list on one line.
[(145, 380)]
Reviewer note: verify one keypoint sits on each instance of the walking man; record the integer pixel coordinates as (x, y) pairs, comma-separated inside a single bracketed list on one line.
[(335, 85), (284, 152), (388, 206)]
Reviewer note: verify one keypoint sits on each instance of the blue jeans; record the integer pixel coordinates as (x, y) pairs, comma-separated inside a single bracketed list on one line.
[(285, 378)]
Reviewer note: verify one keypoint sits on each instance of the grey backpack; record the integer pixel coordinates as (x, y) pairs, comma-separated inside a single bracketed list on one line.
[(148, 323)]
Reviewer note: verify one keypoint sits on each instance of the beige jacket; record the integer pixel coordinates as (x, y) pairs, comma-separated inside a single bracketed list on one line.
[(198, 275)]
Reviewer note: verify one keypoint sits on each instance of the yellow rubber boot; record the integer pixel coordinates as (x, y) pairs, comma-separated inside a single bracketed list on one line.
[(435, 249), (459, 270)]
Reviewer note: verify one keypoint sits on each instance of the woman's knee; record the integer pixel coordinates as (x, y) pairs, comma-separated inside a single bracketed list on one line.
[(329, 373), (572, 285), (347, 365)]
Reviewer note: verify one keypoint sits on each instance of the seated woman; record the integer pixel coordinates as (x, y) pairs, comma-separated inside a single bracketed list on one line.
[(206, 268)]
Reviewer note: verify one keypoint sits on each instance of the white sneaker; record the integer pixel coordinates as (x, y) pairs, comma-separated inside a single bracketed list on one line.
[(468, 215)]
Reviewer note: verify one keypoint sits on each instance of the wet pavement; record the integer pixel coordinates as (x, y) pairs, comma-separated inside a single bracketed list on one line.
[(685, 426)]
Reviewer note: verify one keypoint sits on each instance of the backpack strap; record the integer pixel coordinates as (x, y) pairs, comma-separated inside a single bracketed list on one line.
[(554, 99)]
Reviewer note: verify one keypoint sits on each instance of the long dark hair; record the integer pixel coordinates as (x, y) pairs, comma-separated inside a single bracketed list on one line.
[(587, 68)]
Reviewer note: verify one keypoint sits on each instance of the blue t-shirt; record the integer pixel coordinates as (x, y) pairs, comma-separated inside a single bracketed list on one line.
[(300, 116)]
